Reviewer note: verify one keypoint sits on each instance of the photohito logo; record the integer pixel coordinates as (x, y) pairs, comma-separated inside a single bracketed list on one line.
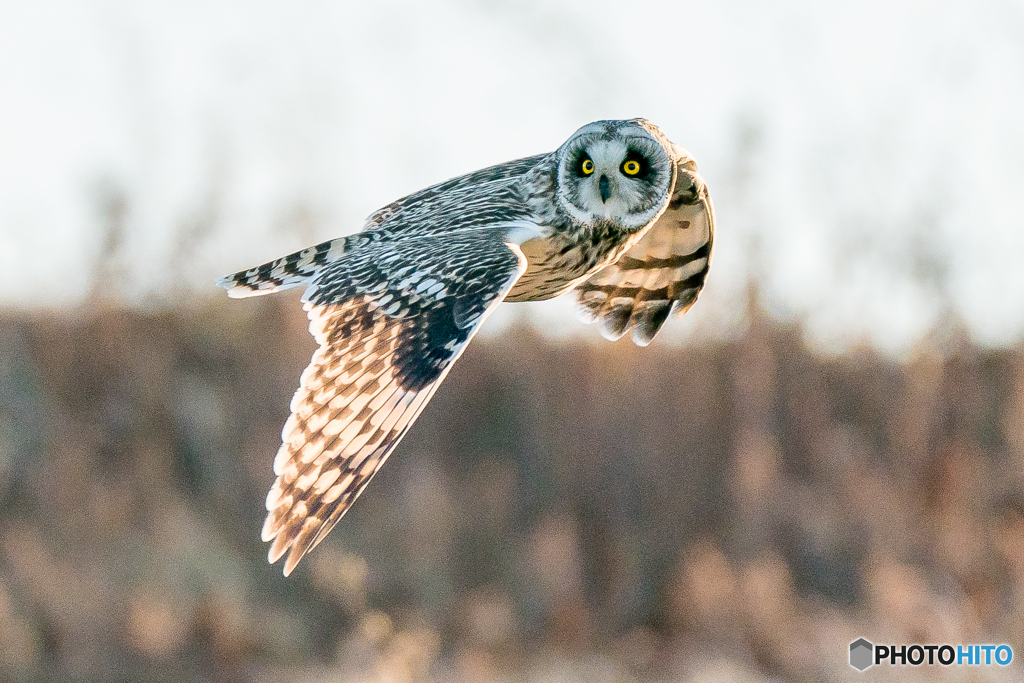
[(864, 654)]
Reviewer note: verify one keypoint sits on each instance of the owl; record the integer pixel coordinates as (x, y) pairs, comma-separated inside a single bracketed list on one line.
[(617, 215)]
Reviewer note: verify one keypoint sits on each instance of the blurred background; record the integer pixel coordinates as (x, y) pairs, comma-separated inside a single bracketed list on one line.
[(830, 445)]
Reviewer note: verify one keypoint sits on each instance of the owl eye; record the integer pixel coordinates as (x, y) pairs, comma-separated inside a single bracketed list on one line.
[(587, 167), (634, 165)]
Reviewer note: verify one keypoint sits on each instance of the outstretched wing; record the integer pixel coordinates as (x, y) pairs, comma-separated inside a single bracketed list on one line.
[(390, 319), (475, 201), (662, 273)]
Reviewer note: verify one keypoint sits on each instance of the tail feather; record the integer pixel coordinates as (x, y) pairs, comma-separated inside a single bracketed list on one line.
[(289, 271)]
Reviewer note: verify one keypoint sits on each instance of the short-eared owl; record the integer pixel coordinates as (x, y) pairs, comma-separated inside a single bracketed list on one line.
[(618, 214)]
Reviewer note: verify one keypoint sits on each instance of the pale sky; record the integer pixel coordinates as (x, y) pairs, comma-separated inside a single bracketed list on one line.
[(865, 158)]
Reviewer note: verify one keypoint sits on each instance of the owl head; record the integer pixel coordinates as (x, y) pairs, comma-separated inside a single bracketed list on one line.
[(615, 172)]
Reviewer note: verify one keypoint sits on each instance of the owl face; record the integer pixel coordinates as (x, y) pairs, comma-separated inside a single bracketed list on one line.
[(616, 172)]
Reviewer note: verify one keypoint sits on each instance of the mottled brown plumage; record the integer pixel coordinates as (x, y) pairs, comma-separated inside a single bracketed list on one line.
[(617, 213)]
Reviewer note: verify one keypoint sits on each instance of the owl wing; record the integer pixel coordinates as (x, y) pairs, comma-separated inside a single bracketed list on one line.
[(390, 319), (475, 201), (662, 273)]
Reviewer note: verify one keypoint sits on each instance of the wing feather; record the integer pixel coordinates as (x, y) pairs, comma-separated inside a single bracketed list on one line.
[(383, 351), (474, 201)]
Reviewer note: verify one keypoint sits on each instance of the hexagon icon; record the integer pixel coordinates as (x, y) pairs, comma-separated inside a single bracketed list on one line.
[(861, 654)]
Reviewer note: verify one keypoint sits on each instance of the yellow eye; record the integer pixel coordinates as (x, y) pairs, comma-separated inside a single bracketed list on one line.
[(587, 167), (631, 167)]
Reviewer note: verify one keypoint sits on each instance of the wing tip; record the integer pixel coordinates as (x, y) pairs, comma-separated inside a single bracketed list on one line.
[(278, 549), (237, 286), (270, 529), (282, 543), (648, 321), (293, 560), (297, 545)]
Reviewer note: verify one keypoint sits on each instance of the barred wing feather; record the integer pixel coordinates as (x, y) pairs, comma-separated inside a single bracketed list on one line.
[(390, 321)]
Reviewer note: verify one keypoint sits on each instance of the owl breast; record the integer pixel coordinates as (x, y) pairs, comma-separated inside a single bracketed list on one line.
[(556, 265)]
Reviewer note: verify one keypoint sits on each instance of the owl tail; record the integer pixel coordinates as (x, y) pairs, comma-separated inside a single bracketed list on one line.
[(294, 270)]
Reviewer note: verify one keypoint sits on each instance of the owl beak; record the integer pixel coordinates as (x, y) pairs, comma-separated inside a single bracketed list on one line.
[(605, 190)]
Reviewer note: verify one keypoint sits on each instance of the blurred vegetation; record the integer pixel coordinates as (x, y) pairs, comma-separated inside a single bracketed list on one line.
[(735, 510)]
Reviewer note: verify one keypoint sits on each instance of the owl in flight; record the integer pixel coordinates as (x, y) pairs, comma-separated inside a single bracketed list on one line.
[(617, 214)]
